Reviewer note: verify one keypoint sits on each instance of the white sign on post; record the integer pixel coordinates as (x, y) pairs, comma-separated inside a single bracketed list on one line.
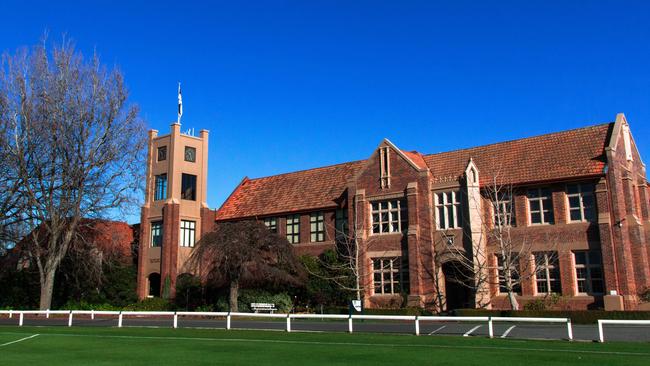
[(356, 304)]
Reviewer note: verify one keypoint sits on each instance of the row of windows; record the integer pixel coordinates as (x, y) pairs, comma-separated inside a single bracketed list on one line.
[(187, 233), (189, 154), (316, 227), (188, 187), (588, 273)]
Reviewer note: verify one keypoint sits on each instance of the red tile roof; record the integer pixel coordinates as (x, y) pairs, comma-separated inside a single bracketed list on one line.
[(303, 190), (553, 156)]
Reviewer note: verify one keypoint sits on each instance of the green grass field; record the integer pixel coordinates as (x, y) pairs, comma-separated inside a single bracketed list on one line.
[(152, 346)]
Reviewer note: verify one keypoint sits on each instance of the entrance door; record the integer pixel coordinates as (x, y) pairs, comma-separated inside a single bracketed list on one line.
[(154, 285), (457, 292)]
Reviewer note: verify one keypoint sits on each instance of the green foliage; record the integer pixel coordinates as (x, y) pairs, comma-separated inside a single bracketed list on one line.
[(320, 288), (151, 304), (83, 305), (281, 300), (204, 308), (189, 292), (544, 303)]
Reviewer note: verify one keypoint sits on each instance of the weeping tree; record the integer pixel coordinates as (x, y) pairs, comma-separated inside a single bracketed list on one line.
[(73, 148), (245, 254)]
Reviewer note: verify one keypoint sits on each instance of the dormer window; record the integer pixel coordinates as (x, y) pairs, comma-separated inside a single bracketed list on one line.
[(384, 167), (162, 153)]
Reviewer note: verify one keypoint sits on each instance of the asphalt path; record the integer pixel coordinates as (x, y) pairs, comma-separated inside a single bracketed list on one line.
[(583, 332)]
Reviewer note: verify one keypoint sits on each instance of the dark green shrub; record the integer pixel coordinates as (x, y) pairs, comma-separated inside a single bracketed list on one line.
[(282, 301), (151, 304)]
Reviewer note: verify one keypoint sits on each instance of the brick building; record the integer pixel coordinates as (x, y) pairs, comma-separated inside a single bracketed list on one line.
[(579, 200)]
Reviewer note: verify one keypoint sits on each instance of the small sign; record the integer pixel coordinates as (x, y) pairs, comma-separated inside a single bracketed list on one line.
[(356, 304)]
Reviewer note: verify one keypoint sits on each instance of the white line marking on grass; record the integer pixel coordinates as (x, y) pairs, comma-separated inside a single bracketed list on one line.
[(351, 344), (471, 331), (19, 340), (437, 330), (505, 334)]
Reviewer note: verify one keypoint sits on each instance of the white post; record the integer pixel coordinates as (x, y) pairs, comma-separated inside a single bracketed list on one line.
[(569, 329), (92, 314), (70, 319), (119, 321), (417, 326), (11, 314), (601, 336), (350, 324), (228, 321), (47, 313), (20, 321), (288, 323), (175, 320), (490, 327)]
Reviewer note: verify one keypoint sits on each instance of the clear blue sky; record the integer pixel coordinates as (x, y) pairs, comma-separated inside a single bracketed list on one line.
[(290, 85)]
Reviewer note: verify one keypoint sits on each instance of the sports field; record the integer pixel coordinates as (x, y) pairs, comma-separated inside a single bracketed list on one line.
[(157, 346)]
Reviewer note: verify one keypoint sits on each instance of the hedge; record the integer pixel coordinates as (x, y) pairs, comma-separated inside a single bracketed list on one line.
[(576, 316)]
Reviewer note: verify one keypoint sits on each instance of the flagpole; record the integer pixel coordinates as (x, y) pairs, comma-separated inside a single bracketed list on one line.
[(180, 103)]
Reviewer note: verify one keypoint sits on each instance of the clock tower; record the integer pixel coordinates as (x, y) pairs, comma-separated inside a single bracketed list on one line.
[(175, 213)]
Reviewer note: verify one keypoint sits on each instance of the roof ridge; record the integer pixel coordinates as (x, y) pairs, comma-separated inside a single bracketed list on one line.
[(307, 169), (522, 138)]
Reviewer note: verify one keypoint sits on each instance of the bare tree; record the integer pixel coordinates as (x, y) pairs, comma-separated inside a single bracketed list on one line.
[(244, 253), (514, 262), (75, 144)]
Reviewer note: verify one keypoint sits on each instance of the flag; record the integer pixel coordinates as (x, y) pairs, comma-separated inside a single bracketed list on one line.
[(180, 103)]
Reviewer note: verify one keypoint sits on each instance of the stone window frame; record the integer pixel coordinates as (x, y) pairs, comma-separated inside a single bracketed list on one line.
[(508, 210), (293, 228), (393, 216), (543, 211), (187, 237), (547, 272), (456, 209), (316, 227), (186, 182), (384, 167), (589, 266), (581, 194), (160, 187), (192, 156), (156, 231), (501, 278), (161, 153), (271, 223), (397, 272)]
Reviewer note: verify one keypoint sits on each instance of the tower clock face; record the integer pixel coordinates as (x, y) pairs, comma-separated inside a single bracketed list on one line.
[(190, 154)]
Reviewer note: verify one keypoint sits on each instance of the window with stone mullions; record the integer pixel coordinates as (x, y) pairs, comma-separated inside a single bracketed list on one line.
[(547, 273), (589, 272), (293, 229), (514, 276), (271, 223), (156, 234), (389, 276), (160, 191), (540, 206), (581, 202), (317, 229), (188, 233), (448, 210), (503, 209), (389, 217)]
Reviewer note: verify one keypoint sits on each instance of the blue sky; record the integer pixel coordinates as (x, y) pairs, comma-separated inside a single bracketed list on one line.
[(290, 85)]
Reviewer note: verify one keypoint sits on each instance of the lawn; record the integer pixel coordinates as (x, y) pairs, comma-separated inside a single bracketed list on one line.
[(157, 346)]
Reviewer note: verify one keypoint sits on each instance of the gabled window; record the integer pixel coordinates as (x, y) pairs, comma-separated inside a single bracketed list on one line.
[(589, 272), (581, 202), (160, 191), (162, 153), (188, 187), (188, 233), (293, 229), (540, 206), (156, 234), (503, 209), (390, 276), (317, 227), (384, 166), (389, 217), (271, 224), (449, 214), (547, 273)]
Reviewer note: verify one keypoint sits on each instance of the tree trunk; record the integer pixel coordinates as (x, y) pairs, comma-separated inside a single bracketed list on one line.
[(47, 286), (234, 294), (514, 304)]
